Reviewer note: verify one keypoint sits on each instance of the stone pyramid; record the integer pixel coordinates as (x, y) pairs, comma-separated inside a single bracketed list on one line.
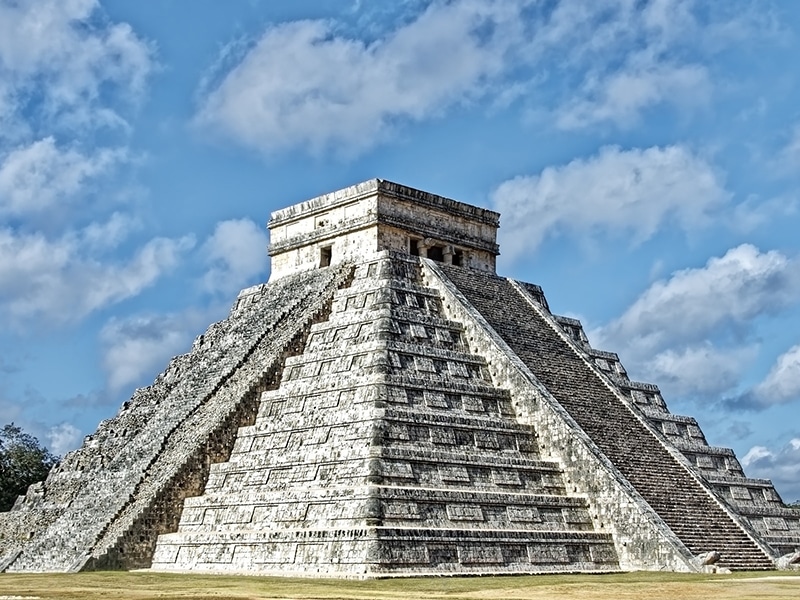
[(388, 406)]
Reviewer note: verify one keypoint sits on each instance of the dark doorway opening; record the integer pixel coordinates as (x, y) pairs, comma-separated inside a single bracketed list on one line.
[(325, 255), (435, 253)]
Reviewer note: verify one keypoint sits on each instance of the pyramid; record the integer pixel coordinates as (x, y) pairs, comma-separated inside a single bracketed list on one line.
[(386, 405)]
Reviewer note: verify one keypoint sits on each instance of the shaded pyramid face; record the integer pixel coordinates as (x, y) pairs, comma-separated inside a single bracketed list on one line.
[(386, 450), (660, 475), (388, 406), (104, 504)]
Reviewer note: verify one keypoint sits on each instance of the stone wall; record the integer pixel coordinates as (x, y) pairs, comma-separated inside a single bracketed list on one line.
[(374, 216), (642, 540), (755, 501), (386, 451), (99, 491)]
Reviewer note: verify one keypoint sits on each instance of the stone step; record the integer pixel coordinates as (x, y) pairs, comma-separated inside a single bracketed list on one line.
[(665, 484)]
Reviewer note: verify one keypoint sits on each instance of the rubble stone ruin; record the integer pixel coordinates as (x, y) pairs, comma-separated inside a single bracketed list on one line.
[(387, 405)]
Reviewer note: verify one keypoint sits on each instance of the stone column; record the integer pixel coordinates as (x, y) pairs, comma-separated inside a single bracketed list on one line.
[(448, 253), (423, 246)]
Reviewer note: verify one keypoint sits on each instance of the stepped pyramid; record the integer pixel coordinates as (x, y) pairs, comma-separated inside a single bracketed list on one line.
[(388, 406)]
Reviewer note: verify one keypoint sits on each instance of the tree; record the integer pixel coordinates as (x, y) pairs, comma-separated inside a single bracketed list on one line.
[(22, 462)]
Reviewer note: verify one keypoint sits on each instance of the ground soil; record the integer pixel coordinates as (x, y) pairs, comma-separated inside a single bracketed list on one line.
[(649, 586)]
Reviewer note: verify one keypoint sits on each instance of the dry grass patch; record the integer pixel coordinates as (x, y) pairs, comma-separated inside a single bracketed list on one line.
[(650, 586)]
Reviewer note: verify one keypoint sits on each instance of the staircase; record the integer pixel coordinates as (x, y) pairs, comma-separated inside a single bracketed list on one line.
[(668, 487), (386, 451)]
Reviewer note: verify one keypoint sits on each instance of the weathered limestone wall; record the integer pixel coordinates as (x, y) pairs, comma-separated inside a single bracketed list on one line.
[(378, 215), (754, 500), (343, 248), (122, 472), (444, 222), (642, 540), (386, 451)]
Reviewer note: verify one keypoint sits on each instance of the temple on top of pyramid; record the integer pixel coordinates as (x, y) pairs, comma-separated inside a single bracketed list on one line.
[(385, 406), (375, 215)]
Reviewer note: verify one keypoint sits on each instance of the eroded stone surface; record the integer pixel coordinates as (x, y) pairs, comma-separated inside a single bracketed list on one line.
[(163, 438), (755, 501), (386, 451), (388, 406)]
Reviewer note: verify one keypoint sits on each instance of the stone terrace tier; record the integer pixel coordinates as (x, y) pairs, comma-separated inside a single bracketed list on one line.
[(106, 502), (386, 451), (679, 498), (754, 500)]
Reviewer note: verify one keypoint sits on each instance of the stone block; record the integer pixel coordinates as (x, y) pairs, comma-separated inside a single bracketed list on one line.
[(453, 473), (480, 555)]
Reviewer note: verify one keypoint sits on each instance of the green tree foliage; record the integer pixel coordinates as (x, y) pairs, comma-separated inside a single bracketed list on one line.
[(22, 462)]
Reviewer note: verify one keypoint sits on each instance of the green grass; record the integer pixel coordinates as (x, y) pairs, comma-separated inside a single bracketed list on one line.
[(650, 586)]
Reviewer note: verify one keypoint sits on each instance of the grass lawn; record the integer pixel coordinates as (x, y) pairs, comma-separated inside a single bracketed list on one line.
[(649, 586)]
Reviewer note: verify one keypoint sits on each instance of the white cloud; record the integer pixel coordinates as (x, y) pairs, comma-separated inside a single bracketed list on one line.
[(630, 192), (630, 57), (41, 176), (754, 454), (700, 369), (622, 96), (307, 85), (754, 212), (598, 34), (236, 252), (108, 234), (62, 438), (138, 346), (727, 293), (59, 281), (782, 466), (687, 331), (157, 256), (782, 383), (304, 86), (65, 71), (61, 53)]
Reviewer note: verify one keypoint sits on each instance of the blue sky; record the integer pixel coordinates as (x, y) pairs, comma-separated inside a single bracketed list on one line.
[(645, 157)]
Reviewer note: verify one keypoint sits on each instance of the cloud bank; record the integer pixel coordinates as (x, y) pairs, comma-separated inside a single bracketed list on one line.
[(619, 192), (313, 86), (302, 85), (781, 465), (58, 58), (690, 330), (65, 279)]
